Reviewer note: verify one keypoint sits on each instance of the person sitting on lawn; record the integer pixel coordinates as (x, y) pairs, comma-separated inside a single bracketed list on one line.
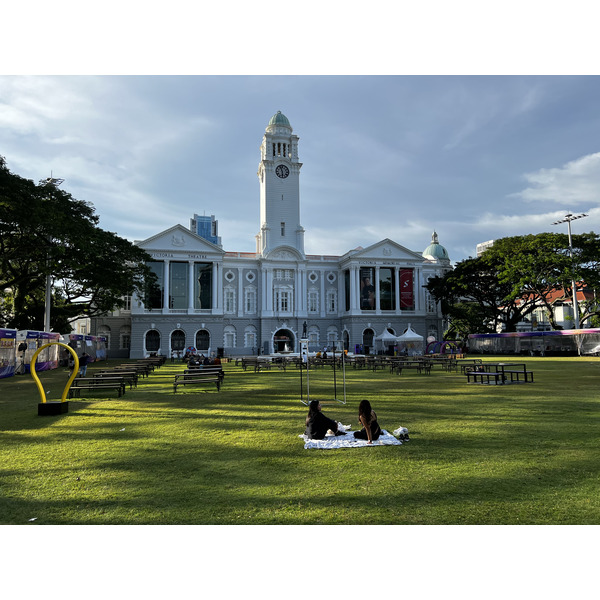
[(317, 424), (368, 419)]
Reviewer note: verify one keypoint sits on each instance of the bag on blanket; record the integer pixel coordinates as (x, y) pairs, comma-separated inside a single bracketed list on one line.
[(402, 434)]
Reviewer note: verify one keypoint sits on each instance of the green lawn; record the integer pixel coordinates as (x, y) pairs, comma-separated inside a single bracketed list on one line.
[(514, 454)]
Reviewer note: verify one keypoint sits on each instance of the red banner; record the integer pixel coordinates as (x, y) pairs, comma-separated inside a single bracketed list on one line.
[(407, 297)]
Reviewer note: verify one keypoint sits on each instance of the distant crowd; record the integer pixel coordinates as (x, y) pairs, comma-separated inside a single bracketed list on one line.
[(195, 360)]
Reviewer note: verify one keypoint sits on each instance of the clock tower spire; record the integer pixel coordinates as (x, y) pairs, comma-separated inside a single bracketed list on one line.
[(279, 176)]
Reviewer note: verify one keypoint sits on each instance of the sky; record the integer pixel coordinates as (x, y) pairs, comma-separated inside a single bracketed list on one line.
[(396, 156)]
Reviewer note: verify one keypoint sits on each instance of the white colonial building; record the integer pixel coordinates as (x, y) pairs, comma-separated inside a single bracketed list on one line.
[(240, 303)]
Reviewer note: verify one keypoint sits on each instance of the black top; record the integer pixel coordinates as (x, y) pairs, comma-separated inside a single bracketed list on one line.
[(317, 426)]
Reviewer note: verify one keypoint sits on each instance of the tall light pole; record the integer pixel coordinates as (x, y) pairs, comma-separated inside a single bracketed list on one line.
[(54, 182), (568, 218)]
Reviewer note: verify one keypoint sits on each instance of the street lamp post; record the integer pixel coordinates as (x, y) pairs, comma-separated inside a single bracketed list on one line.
[(54, 182), (568, 218)]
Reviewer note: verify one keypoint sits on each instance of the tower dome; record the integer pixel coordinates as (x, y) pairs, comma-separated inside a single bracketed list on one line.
[(279, 120), (435, 251)]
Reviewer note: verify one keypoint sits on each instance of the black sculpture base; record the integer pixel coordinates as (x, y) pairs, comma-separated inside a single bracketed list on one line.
[(52, 408)]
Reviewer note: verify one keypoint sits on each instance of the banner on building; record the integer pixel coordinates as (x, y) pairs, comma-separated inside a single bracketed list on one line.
[(367, 289), (407, 297)]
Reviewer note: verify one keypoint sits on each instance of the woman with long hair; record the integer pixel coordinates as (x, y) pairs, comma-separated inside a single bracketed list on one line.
[(368, 419), (317, 424)]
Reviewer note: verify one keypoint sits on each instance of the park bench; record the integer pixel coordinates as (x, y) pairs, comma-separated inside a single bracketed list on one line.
[(214, 369), (256, 363), (468, 363), (157, 361), (84, 383), (516, 371), (199, 378), (130, 378), (419, 366), (143, 370)]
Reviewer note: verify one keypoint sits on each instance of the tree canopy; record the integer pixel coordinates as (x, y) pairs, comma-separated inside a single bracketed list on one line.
[(44, 230), (514, 277)]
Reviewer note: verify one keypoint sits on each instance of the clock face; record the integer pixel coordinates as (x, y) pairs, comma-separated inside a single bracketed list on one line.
[(282, 171)]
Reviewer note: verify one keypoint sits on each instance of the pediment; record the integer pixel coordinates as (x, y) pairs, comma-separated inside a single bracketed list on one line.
[(284, 253), (387, 250), (179, 241)]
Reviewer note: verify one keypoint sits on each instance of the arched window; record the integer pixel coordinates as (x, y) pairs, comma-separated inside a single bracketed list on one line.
[(178, 340), (368, 338), (152, 341), (202, 340)]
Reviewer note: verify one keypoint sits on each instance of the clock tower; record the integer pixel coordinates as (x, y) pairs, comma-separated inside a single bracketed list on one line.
[(279, 176)]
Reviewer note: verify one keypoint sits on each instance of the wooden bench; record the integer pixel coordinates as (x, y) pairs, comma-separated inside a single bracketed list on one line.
[(256, 363), (80, 384), (142, 370), (468, 363), (131, 378), (197, 379), (420, 367), (215, 370)]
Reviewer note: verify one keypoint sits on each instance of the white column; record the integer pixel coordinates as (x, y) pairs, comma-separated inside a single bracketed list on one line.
[(220, 287), (322, 303), (215, 286), (297, 293), (240, 293), (191, 303), (377, 306), (353, 291), (397, 289), (269, 289), (417, 289), (263, 290), (166, 276)]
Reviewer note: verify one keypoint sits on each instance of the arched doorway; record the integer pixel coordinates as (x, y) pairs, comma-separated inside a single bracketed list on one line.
[(346, 337), (368, 335), (202, 340), (178, 341), (152, 341), (283, 341)]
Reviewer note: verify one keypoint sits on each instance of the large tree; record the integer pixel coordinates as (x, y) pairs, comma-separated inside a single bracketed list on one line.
[(44, 230), (514, 277)]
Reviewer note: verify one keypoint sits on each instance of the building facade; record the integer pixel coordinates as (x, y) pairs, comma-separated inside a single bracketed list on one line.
[(263, 302)]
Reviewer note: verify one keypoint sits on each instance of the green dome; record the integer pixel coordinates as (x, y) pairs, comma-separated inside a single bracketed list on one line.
[(279, 119), (435, 250)]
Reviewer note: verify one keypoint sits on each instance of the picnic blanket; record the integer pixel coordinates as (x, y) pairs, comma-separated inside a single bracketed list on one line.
[(332, 441)]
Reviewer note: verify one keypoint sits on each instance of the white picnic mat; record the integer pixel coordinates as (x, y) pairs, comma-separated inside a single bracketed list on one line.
[(349, 441)]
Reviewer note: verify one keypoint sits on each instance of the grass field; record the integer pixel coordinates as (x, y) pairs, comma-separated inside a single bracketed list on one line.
[(514, 454)]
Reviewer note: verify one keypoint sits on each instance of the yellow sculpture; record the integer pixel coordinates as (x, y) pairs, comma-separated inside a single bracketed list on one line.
[(37, 379)]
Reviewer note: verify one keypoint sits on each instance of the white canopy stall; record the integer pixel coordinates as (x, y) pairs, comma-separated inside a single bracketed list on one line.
[(410, 342), (386, 339)]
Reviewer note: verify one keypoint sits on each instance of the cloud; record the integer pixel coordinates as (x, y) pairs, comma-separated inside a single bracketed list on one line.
[(575, 183)]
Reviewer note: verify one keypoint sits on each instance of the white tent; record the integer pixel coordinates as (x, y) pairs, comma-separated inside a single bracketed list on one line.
[(386, 338), (410, 341)]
